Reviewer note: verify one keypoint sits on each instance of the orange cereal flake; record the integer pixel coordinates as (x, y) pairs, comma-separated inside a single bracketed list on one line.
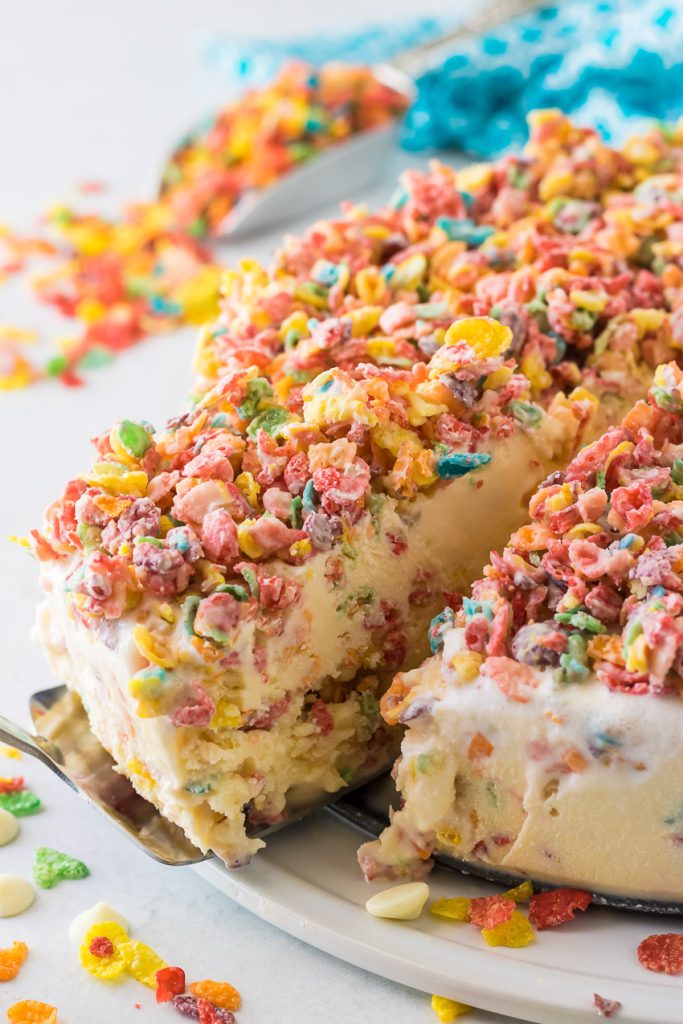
[(11, 960), (31, 1011), (220, 993)]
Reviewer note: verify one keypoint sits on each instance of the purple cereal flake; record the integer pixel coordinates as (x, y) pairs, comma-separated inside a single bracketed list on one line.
[(189, 1007), (605, 1007)]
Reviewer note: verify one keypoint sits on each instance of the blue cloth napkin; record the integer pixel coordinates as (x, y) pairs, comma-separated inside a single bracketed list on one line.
[(613, 64)]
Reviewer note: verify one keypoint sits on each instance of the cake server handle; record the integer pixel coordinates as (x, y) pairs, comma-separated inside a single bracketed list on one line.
[(35, 746)]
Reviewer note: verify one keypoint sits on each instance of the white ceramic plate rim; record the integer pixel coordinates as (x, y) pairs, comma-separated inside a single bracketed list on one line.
[(531, 984)]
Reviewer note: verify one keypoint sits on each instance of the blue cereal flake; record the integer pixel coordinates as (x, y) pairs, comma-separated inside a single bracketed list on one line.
[(459, 463), (472, 608), (325, 273), (628, 540), (438, 627), (465, 230)]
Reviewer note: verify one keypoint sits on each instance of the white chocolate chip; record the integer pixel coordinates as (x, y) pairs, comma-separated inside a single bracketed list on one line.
[(402, 902), (9, 827), (95, 915), (16, 895)]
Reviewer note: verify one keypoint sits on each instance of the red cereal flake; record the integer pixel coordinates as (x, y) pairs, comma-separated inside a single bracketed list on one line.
[(548, 909), (170, 982), (605, 1007), (11, 784), (101, 946), (662, 953), (490, 911)]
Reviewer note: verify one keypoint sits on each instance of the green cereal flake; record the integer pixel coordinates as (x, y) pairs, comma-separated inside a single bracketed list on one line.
[(21, 804), (51, 867)]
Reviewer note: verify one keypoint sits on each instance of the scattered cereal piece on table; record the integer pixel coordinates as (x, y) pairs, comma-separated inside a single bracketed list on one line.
[(143, 963), (662, 953), (9, 827), (400, 903), (105, 950), (201, 1010), (30, 1011), (448, 1010), (11, 783), (51, 867), (170, 983), (21, 804), (97, 914), (605, 1007), (515, 933), (11, 752), (11, 960), (16, 895), (548, 909), (220, 993)]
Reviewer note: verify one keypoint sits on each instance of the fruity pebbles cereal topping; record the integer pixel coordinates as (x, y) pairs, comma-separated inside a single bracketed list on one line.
[(593, 584)]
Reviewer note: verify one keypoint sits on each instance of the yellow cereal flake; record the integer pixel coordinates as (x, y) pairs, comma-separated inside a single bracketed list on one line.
[(520, 894), (226, 715), (515, 933), (246, 541), (109, 966), (152, 648), (136, 767), (488, 337), (449, 837), (448, 1010), (143, 963), (249, 488), (455, 908), (467, 665)]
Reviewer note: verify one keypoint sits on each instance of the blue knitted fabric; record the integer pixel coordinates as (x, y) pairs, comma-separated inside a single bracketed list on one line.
[(613, 64)]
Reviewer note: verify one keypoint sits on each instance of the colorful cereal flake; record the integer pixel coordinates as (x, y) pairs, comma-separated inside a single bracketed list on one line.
[(202, 1010), (448, 1010), (605, 1007), (552, 908), (105, 950), (515, 932), (11, 960), (51, 867), (170, 983), (21, 804), (11, 784), (31, 1011), (11, 752), (662, 953), (220, 993), (143, 963)]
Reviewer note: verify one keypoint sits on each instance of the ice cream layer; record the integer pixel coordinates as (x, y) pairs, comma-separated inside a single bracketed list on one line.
[(288, 706), (546, 735), (579, 785)]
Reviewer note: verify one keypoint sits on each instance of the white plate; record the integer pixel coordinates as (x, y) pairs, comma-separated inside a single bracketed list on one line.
[(307, 882)]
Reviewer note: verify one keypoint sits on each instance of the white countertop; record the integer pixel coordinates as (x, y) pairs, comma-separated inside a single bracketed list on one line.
[(89, 90)]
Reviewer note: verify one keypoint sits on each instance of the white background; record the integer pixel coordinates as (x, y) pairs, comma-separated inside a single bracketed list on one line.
[(92, 90)]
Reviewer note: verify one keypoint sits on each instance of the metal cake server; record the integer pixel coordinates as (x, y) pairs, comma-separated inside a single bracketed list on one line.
[(344, 169), (65, 744)]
